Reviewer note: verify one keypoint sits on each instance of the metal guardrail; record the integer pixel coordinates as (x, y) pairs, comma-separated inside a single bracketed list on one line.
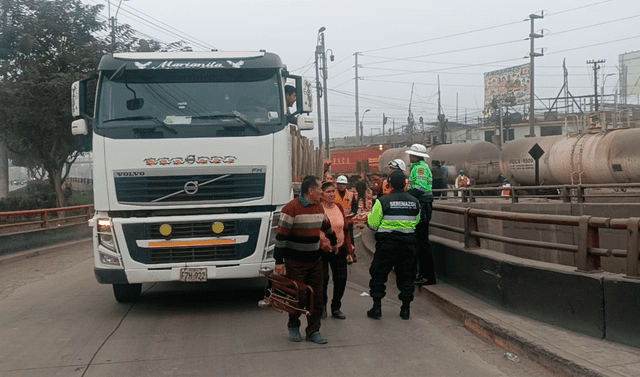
[(31, 220), (568, 193), (588, 248)]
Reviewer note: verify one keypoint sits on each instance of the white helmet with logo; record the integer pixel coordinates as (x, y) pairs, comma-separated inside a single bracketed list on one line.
[(398, 164), (342, 179), (418, 150)]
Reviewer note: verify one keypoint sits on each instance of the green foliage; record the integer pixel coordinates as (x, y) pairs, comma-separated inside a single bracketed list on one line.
[(46, 45), (37, 195)]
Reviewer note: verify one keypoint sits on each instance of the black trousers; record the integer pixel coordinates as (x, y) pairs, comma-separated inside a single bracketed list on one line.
[(309, 273), (426, 268), (396, 253), (337, 263)]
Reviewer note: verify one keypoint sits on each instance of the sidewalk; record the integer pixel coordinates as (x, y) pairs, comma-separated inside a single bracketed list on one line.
[(559, 350)]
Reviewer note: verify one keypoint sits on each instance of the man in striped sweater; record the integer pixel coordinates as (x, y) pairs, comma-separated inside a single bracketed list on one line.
[(297, 252)]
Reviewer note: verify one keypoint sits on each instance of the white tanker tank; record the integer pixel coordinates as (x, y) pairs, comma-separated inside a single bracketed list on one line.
[(597, 156), (480, 161)]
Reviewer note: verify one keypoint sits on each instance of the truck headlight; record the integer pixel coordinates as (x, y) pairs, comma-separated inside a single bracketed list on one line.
[(105, 234)]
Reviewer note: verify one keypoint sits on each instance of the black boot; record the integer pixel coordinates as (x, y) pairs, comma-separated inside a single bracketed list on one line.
[(404, 310), (376, 310)]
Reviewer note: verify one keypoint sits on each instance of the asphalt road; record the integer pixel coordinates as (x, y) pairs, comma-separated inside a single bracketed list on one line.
[(56, 320)]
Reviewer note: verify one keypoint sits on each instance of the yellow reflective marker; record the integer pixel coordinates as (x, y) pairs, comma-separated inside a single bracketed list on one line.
[(166, 230), (217, 227)]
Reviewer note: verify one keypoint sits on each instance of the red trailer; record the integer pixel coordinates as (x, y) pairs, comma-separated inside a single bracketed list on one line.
[(345, 160)]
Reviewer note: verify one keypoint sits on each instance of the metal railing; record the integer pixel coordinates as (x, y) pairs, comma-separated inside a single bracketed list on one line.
[(31, 220), (588, 247), (567, 193)]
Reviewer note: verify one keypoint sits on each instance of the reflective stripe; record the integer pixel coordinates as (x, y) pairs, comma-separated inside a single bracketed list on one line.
[(399, 218), (281, 243), (302, 246), (419, 188), (308, 221), (286, 221), (406, 231)]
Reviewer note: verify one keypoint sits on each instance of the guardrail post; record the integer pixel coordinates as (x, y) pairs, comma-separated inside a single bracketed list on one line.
[(588, 237), (565, 194), (579, 194), (470, 225), (514, 197), (632, 247), (471, 198), (45, 220), (463, 195)]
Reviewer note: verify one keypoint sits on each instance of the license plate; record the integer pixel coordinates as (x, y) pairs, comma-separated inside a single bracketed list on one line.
[(189, 275)]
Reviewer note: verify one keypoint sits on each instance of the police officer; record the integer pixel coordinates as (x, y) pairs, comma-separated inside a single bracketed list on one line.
[(420, 182), (396, 216)]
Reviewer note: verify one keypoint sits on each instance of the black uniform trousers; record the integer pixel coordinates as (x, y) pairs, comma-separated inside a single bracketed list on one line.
[(393, 251), (426, 268), (309, 273), (338, 265)]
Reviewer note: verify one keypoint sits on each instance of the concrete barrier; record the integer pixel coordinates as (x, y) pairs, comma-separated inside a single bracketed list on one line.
[(602, 304), (12, 243)]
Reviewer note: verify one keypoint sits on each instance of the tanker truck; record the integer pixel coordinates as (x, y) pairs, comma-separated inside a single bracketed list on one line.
[(191, 164)]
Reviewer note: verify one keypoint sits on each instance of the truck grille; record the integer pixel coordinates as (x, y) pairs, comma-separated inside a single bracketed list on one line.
[(171, 189), (134, 232)]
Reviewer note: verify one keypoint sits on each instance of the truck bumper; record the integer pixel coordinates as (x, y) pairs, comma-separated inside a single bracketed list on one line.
[(110, 276)]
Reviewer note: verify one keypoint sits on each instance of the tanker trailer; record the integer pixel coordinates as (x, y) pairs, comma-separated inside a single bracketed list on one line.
[(609, 156), (480, 161), (392, 154)]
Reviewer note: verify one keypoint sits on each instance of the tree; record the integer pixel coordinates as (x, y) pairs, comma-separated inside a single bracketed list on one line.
[(44, 47)]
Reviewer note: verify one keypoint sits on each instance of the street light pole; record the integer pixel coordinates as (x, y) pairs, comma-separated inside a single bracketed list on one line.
[(324, 85), (318, 95), (362, 127)]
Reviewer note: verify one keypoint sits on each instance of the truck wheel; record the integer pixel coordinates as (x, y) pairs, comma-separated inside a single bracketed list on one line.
[(127, 292)]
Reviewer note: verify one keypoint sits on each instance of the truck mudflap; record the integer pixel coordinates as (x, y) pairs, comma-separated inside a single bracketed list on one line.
[(110, 276)]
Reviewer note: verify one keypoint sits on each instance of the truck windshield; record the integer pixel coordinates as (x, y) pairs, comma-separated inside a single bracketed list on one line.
[(190, 103)]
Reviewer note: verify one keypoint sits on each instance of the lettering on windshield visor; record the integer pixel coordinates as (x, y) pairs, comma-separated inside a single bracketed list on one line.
[(170, 64), (191, 159)]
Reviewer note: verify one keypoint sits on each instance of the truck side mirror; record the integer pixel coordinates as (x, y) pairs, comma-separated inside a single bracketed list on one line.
[(79, 127), (304, 122)]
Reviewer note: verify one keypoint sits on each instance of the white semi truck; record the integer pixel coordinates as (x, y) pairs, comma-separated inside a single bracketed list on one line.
[(192, 164)]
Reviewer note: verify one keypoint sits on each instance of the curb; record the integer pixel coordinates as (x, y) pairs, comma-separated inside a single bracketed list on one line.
[(502, 337), (22, 255)]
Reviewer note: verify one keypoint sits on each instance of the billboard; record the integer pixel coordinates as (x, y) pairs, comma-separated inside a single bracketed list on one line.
[(512, 82), (629, 74)]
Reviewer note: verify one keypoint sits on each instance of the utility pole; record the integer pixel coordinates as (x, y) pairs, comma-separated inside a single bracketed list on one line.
[(596, 67), (318, 96), (357, 104), (532, 55), (4, 152)]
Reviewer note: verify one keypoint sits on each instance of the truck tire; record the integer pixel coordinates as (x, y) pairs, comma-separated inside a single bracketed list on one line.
[(127, 292)]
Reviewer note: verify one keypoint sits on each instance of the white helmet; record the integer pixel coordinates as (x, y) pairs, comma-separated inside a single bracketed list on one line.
[(418, 150), (342, 179), (398, 164)]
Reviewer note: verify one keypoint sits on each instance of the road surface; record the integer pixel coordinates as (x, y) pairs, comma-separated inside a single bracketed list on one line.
[(56, 320)]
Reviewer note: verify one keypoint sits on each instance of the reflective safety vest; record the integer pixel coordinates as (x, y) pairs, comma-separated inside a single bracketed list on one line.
[(345, 202), (421, 178), (396, 212)]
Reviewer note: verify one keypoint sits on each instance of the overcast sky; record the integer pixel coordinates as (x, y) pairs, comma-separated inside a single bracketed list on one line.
[(406, 42)]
